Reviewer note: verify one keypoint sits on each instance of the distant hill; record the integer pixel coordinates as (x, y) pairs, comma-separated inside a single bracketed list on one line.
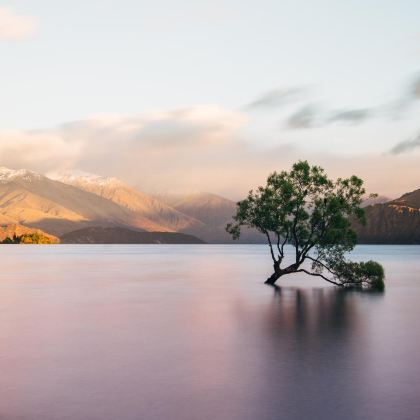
[(409, 200), (118, 235), (394, 222), (214, 212), (375, 200), (211, 209)]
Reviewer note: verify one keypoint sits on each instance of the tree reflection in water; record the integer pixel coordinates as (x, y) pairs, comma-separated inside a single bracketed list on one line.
[(314, 350)]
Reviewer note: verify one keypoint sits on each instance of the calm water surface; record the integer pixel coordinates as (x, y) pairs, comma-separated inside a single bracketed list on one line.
[(191, 333)]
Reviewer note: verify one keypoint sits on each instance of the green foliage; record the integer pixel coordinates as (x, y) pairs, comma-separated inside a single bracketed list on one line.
[(28, 238), (305, 208), (368, 274)]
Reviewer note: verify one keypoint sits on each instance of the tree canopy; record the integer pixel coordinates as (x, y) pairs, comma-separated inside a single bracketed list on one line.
[(29, 238), (314, 214)]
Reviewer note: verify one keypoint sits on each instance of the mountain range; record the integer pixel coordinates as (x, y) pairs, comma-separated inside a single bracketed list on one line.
[(69, 207), (70, 203), (393, 222)]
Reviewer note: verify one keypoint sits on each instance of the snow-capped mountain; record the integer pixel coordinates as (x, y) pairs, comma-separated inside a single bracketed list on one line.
[(7, 175), (160, 215), (71, 201), (87, 179), (31, 199), (75, 201)]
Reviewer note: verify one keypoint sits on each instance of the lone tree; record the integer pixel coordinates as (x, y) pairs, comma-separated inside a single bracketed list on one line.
[(314, 214)]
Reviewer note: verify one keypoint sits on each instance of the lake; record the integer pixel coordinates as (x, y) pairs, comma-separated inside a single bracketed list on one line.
[(191, 332)]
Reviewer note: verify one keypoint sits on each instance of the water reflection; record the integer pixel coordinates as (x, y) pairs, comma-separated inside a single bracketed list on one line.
[(112, 333), (315, 365), (312, 311)]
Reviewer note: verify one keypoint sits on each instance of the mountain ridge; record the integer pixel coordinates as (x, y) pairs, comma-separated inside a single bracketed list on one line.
[(37, 201), (75, 202), (394, 222), (67, 203), (159, 216), (215, 212)]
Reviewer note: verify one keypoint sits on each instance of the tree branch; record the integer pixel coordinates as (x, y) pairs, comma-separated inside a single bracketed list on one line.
[(295, 236), (278, 245), (318, 275), (321, 263), (286, 238), (271, 246)]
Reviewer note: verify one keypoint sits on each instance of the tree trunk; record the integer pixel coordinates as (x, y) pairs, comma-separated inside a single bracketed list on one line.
[(276, 275), (273, 278), (278, 272)]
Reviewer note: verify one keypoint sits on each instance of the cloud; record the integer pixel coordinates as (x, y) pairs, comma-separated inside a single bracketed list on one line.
[(193, 127), (41, 151), (303, 118), (198, 148), (404, 103), (156, 150), (14, 26), (351, 116), (406, 145), (312, 116), (276, 98), (415, 88)]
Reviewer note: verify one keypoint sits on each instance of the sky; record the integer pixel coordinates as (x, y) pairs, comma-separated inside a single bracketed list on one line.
[(177, 95)]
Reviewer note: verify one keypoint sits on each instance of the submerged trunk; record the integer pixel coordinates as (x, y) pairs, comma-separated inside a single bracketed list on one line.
[(278, 272), (273, 278)]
